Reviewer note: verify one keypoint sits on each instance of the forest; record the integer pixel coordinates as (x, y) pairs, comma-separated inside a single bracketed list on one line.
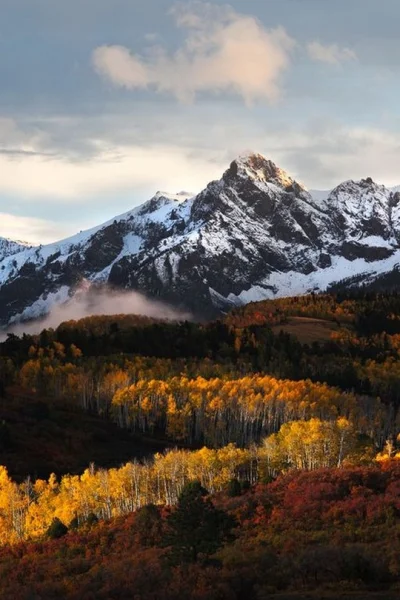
[(272, 435)]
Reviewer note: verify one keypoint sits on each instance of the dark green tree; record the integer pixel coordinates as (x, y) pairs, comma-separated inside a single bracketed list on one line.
[(74, 524), (148, 525), (234, 488), (196, 527), (57, 529), (91, 519)]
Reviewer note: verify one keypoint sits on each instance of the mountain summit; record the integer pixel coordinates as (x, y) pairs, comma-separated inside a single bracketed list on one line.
[(256, 166), (255, 233)]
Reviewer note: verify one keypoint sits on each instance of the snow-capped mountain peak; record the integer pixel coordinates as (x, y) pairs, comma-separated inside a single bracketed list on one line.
[(255, 233), (256, 167), (10, 247), (178, 197), (362, 208)]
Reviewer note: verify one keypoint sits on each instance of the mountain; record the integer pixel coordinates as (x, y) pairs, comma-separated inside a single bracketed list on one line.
[(9, 247), (255, 233), (319, 195)]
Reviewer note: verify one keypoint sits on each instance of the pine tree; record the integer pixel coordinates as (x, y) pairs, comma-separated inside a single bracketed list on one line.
[(57, 529), (196, 527), (234, 488), (148, 525)]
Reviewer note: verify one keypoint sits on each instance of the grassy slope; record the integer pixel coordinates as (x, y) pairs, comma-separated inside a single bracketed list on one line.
[(308, 330)]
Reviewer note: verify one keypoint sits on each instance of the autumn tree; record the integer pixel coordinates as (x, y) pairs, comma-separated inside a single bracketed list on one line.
[(308, 445)]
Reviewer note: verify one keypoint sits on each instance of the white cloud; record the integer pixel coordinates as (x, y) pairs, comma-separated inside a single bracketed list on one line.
[(224, 51), (30, 229), (360, 152), (113, 171), (14, 140), (327, 153), (88, 302), (116, 63), (319, 154), (332, 55)]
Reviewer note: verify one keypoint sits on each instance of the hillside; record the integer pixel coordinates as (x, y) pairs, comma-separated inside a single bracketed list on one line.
[(251, 457), (323, 535), (307, 330), (39, 437)]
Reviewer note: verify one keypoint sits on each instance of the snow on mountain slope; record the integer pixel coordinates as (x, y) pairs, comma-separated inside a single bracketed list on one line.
[(253, 234), (361, 208), (10, 247), (34, 276), (155, 211), (293, 283)]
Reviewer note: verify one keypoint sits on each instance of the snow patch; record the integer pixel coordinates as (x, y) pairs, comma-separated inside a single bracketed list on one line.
[(292, 283)]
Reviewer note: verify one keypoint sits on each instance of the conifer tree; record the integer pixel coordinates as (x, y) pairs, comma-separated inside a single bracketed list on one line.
[(196, 527), (57, 529)]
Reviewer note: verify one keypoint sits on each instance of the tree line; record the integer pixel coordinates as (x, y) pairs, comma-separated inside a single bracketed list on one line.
[(28, 509)]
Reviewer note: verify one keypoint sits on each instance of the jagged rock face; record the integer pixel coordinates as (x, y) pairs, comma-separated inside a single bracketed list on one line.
[(361, 209), (253, 234), (9, 247)]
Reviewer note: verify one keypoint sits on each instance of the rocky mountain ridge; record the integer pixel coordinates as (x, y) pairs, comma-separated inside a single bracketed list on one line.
[(9, 247), (256, 233)]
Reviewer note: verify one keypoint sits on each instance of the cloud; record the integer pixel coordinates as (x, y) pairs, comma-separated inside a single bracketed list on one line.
[(29, 229), (86, 302), (112, 171), (116, 63), (332, 55), (15, 140), (134, 162), (224, 51), (328, 152)]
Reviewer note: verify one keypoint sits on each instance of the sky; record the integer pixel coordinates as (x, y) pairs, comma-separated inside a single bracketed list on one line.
[(105, 102)]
